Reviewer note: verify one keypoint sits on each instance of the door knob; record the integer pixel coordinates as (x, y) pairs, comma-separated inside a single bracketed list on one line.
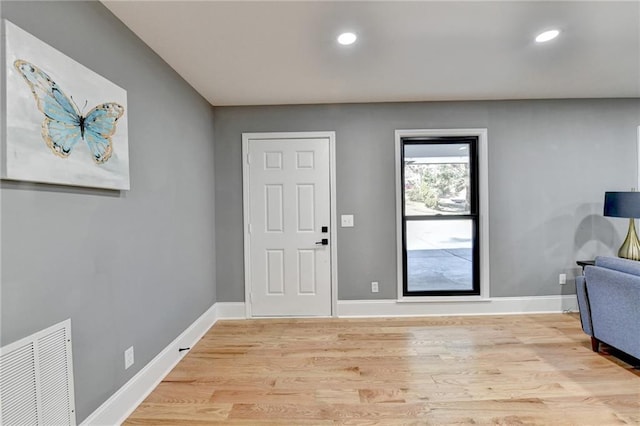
[(324, 242)]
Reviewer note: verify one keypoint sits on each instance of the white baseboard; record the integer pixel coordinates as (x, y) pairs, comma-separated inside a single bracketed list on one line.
[(121, 404), (491, 306), (450, 307), (231, 310)]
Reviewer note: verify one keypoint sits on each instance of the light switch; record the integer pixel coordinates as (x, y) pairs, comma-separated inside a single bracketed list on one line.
[(347, 220)]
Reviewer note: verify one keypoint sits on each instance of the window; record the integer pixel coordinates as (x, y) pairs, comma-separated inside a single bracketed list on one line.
[(439, 215)]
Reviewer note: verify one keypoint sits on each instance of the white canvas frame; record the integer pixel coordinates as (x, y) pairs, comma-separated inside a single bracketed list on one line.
[(26, 156)]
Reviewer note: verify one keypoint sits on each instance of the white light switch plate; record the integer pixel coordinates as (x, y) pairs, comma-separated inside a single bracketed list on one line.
[(346, 220)]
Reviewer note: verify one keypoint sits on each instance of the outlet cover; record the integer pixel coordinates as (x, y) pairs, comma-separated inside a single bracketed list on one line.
[(374, 287), (128, 358), (562, 279)]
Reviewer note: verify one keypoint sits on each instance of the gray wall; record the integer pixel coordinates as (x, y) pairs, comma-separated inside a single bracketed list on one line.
[(129, 268), (550, 163)]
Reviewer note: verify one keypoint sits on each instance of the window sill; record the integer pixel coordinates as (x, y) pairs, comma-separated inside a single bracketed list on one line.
[(440, 299)]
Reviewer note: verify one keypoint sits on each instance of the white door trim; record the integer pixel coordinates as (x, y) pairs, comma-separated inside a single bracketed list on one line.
[(483, 187), (333, 227)]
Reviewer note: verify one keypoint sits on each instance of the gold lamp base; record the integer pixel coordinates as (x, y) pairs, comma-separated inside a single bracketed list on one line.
[(630, 249)]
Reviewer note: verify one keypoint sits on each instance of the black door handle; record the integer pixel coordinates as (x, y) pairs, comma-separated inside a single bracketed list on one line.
[(324, 242)]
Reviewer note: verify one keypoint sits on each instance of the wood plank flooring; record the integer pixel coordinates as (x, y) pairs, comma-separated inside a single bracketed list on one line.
[(507, 370)]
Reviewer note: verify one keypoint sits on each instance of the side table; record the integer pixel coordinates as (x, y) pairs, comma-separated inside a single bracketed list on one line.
[(583, 263)]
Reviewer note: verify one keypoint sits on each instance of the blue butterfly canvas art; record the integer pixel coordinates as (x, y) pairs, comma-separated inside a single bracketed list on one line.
[(63, 125)]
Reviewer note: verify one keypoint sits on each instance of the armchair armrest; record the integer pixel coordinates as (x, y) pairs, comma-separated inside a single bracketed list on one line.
[(583, 305)]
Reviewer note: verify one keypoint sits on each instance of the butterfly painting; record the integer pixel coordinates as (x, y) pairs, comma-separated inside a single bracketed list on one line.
[(63, 125), (79, 115)]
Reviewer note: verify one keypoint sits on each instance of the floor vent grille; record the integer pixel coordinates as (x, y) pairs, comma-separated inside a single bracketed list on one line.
[(36, 379)]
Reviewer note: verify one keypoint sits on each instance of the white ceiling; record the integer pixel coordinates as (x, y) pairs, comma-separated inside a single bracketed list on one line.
[(264, 52)]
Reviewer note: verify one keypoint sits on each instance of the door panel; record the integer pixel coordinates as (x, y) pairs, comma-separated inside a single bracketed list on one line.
[(274, 208), (275, 272), (289, 203), (306, 207)]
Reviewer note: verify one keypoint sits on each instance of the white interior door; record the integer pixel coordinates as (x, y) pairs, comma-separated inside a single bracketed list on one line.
[(287, 188)]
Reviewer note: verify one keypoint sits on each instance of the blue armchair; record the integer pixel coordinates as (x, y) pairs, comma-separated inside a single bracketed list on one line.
[(609, 302)]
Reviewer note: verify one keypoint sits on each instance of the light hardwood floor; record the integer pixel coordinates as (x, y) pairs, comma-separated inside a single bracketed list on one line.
[(510, 370)]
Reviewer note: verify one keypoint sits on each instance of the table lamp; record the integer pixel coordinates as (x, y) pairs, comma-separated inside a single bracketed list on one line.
[(625, 204)]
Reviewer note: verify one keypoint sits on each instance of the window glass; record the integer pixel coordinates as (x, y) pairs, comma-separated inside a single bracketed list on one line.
[(436, 179)]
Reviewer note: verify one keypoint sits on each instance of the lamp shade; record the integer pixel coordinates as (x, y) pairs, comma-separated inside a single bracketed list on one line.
[(622, 204)]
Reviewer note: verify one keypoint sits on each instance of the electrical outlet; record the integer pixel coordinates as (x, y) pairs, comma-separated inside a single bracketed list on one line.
[(128, 358), (562, 279), (374, 287)]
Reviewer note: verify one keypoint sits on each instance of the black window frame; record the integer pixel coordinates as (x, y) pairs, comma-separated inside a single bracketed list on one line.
[(474, 209)]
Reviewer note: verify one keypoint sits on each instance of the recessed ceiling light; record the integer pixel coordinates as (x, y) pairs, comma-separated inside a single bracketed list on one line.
[(347, 38), (547, 36)]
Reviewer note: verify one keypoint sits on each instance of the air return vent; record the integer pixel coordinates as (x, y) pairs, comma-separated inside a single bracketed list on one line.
[(36, 379)]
